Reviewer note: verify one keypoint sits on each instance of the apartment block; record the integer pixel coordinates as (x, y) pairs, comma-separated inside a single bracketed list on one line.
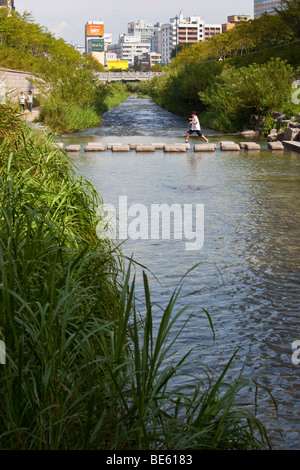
[(182, 30), (233, 20), (265, 6), (148, 60)]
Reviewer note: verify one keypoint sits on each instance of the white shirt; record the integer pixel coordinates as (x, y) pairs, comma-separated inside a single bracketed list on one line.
[(30, 98), (22, 99), (195, 124)]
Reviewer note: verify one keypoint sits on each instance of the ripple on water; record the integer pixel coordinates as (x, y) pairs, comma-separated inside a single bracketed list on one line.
[(248, 274)]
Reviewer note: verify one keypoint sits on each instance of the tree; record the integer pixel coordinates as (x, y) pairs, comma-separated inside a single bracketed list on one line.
[(290, 13)]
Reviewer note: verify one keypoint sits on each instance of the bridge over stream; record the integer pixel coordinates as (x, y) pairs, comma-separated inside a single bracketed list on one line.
[(127, 76)]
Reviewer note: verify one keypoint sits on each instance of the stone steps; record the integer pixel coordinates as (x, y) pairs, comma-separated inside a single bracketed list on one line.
[(179, 147)]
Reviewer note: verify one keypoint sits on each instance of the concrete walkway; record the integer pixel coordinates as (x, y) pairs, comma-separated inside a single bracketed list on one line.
[(30, 117), (292, 145)]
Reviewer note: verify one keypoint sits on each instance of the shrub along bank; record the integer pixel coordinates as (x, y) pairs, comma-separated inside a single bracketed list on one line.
[(84, 369), (72, 98), (247, 70)]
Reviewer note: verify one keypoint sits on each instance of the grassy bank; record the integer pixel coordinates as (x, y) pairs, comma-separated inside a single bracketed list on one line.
[(85, 369), (66, 116), (66, 83)]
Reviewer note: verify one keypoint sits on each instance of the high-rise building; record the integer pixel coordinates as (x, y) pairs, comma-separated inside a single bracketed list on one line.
[(94, 40), (144, 30), (182, 30), (265, 6), (8, 3)]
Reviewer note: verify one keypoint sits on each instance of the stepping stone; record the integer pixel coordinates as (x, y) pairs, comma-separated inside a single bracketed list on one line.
[(229, 146), (275, 145), (158, 145), (175, 148), (109, 146), (249, 133), (249, 146), (59, 145), (134, 145), (205, 148), (145, 148), (73, 148), (120, 148), (91, 147)]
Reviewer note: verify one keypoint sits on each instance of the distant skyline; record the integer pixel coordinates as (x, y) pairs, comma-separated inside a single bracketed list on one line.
[(66, 18)]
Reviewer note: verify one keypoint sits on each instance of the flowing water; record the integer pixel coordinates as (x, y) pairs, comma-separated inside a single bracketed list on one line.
[(247, 275)]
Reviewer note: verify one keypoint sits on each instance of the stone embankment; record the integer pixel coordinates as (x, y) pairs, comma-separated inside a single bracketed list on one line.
[(286, 130)]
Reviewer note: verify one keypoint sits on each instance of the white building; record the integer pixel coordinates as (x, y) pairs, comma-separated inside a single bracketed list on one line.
[(110, 57), (129, 47), (182, 30), (107, 40), (144, 30), (79, 48)]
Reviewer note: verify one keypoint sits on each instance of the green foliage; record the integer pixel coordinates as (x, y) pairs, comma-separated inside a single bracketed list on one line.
[(109, 95), (290, 14), (238, 93), (230, 76), (177, 90), (269, 124), (63, 118), (142, 88)]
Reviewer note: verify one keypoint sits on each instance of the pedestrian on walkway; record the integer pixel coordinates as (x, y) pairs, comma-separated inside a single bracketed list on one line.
[(195, 127), (29, 100), (22, 99)]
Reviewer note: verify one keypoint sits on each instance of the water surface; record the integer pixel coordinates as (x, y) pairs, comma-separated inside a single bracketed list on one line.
[(248, 276)]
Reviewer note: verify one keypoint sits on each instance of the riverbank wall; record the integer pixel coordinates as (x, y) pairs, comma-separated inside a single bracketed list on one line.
[(12, 82)]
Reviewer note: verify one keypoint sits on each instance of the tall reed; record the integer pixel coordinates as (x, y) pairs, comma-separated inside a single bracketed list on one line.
[(85, 367)]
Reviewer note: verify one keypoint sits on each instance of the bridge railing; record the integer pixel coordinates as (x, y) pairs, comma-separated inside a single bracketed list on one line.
[(127, 76)]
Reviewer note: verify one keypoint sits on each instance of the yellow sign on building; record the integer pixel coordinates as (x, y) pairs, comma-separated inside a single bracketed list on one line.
[(117, 64)]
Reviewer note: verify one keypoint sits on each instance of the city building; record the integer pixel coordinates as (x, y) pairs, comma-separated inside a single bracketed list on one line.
[(128, 47), (156, 42), (94, 40), (107, 40), (182, 30), (212, 30), (79, 48), (144, 30), (8, 3), (233, 20), (148, 59), (265, 6), (110, 57)]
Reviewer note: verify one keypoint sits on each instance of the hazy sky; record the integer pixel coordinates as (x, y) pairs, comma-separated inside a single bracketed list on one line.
[(66, 18)]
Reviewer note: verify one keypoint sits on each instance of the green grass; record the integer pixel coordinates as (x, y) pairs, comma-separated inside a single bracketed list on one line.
[(86, 369)]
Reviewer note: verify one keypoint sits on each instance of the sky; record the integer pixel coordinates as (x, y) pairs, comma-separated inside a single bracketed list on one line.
[(66, 18)]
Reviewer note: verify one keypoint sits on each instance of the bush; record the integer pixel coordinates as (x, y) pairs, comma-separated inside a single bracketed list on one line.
[(66, 119), (257, 89)]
